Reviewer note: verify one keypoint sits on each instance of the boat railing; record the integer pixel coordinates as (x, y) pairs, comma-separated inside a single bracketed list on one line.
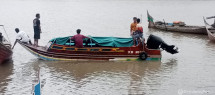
[(89, 49)]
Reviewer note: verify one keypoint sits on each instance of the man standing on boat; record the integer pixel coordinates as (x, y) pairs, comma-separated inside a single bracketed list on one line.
[(78, 39), (22, 36), (139, 29), (37, 29), (133, 29)]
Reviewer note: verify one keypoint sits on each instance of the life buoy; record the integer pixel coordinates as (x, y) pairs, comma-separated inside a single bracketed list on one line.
[(143, 56)]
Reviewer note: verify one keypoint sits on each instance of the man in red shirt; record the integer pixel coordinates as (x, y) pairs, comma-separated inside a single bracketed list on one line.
[(78, 39)]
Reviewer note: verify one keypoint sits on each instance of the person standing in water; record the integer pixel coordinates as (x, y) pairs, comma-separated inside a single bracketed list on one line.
[(37, 29)]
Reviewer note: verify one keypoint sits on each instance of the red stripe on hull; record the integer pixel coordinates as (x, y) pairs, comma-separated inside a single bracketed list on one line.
[(66, 54)]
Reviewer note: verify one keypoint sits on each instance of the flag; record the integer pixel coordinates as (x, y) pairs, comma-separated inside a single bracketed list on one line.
[(150, 18)]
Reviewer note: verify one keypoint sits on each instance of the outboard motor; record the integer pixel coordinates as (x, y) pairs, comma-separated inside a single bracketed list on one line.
[(155, 42)]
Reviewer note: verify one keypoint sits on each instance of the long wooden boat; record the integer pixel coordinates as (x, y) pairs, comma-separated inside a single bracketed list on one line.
[(5, 48), (162, 25), (5, 51), (97, 48), (210, 31)]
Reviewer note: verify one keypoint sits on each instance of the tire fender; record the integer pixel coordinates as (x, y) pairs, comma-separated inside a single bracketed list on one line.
[(143, 55)]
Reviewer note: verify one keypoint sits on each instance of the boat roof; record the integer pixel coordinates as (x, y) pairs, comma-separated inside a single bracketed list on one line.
[(102, 41)]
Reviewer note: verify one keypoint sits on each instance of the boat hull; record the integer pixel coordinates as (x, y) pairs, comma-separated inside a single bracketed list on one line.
[(210, 31), (211, 35), (183, 29), (123, 53), (5, 53)]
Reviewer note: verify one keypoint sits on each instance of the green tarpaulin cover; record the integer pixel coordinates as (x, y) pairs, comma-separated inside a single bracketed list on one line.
[(102, 41)]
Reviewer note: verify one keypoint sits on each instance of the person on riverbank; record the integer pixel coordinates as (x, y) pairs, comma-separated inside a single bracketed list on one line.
[(78, 39), (133, 29), (37, 29), (22, 36)]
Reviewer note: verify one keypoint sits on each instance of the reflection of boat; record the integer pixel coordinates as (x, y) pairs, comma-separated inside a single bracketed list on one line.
[(88, 68), (5, 49), (175, 27), (96, 48), (83, 76), (6, 70), (210, 31)]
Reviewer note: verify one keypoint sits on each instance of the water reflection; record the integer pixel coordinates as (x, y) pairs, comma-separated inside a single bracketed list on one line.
[(6, 70), (102, 75), (97, 77), (82, 69)]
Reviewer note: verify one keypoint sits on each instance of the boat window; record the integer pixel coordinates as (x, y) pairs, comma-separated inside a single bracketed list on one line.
[(80, 49), (106, 49), (56, 47), (94, 49), (70, 48), (70, 44)]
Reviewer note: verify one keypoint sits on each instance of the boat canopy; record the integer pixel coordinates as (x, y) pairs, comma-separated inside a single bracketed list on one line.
[(100, 41)]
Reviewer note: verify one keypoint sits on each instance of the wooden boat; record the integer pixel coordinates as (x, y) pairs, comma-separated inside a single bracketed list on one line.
[(5, 52), (5, 49), (210, 31), (99, 48), (162, 25)]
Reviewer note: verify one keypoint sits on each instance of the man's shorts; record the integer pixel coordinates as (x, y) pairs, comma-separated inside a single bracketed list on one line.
[(137, 35)]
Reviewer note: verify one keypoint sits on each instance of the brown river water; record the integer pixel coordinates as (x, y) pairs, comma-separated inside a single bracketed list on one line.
[(190, 72)]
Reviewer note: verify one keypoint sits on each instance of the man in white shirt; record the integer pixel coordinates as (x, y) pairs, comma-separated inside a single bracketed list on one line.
[(22, 36)]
